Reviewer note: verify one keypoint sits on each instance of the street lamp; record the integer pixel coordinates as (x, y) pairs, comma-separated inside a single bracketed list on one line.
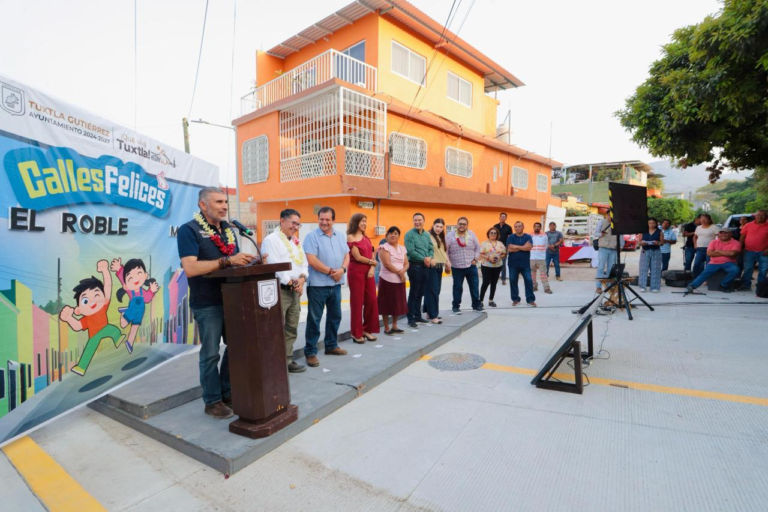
[(237, 179)]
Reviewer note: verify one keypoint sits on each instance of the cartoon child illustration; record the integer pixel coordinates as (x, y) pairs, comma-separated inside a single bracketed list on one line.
[(93, 298), (134, 277)]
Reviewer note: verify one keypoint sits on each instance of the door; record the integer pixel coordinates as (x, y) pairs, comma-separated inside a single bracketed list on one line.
[(12, 384)]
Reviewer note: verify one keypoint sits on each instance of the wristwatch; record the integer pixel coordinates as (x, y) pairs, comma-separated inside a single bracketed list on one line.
[(344, 269)]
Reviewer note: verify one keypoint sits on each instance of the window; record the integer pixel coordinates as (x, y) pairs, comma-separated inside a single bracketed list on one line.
[(501, 169), (352, 71), (408, 64), (495, 174), (541, 182), (256, 160), (408, 151), (459, 89), (268, 227), (458, 162), (519, 178), (360, 139), (2, 383)]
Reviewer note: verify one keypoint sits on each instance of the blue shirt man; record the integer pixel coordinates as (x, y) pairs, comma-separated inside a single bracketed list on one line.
[(519, 246), (670, 238), (328, 257)]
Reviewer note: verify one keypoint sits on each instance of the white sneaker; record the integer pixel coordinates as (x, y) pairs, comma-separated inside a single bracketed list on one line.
[(643, 289), (655, 291)]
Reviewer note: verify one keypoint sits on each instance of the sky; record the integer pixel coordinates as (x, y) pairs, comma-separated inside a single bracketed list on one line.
[(135, 62)]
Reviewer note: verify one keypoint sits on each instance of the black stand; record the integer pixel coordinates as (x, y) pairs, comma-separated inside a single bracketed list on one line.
[(571, 348), (623, 288)]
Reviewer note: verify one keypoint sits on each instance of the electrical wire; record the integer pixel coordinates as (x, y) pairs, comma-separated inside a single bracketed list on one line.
[(451, 15), (199, 58), (232, 89)]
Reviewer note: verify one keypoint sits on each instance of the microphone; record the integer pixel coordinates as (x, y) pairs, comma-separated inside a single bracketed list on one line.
[(243, 230)]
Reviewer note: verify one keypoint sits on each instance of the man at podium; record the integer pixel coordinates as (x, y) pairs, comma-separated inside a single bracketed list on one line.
[(207, 244)]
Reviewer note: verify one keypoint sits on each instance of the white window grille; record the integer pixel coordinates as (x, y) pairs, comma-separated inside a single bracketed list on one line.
[(268, 227), (495, 174), (541, 182), (459, 89), (311, 130), (408, 64), (501, 169), (256, 160), (458, 162), (408, 151), (520, 178)]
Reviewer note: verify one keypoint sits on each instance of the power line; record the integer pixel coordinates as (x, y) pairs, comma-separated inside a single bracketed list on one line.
[(199, 58), (451, 15), (52, 278), (232, 89)]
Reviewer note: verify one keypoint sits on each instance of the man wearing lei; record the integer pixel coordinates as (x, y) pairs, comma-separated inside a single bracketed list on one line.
[(207, 244), (284, 247)]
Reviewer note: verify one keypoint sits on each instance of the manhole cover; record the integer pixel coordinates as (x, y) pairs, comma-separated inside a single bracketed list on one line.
[(456, 362)]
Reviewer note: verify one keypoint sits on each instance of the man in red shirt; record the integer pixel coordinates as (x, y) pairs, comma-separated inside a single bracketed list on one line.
[(754, 239), (722, 254)]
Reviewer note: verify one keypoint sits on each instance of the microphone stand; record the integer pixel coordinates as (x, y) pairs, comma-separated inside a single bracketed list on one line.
[(258, 251)]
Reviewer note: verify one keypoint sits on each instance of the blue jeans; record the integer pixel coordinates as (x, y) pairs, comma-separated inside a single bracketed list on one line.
[(214, 381), (319, 298), (514, 291), (701, 260), (504, 268), (432, 295), (555, 258), (731, 269), (750, 257), (606, 259), (418, 276), (459, 274), (665, 257), (689, 254)]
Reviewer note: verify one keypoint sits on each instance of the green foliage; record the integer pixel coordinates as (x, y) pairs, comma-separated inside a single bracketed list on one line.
[(656, 183), (52, 308), (705, 99), (608, 175), (718, 216), (676, 210)]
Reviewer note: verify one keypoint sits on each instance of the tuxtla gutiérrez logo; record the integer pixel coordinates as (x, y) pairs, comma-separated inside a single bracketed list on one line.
[(12, 99)]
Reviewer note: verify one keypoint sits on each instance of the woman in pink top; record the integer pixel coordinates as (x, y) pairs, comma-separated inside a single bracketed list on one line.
[(362, 287), (394, 265)]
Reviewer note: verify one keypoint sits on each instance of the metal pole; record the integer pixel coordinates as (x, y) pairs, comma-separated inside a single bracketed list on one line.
[(237, 178), (185, 125)]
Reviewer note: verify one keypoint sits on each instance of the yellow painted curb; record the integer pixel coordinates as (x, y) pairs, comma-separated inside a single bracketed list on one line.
[(51, 484), (710, 395)]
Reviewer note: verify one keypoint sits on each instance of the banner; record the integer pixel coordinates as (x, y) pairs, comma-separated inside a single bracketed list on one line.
[(91, 290)]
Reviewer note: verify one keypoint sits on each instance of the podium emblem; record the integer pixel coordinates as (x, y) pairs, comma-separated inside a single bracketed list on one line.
[(268, 293)]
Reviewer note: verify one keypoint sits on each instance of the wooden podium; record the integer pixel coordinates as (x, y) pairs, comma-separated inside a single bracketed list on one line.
[(253, 320)]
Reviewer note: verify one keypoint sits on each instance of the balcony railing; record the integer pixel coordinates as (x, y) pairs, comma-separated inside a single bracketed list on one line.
[(324, 67)]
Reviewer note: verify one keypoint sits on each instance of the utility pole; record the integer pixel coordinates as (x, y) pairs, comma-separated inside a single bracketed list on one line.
[(57, 362), (185, 125)]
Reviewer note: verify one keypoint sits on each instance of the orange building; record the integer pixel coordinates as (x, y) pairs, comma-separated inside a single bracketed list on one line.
[(376, 109)]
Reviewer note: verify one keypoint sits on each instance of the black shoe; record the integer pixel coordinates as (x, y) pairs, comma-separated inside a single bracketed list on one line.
[(492, 304), (456, 311), (413, 325), (745, 289), (422, 321), (295, 367), (726, 290), (479, 309)]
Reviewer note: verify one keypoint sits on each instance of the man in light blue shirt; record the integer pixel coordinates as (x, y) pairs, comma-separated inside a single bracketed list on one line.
[(328, 256), (670, 239)]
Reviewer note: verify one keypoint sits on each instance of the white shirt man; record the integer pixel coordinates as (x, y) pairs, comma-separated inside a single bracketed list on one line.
[(284, 247), (538, 257)]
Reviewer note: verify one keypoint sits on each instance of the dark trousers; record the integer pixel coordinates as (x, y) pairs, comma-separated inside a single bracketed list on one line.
[(418, 276), (665, 257), (319, 298), (470, 274), (432, 294), (504, 268), (689, 254), (514, 275), (554, 258), (490, 278), (213, 380), (700, 261)]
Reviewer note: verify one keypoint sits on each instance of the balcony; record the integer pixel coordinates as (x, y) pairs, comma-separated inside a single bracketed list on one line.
[(324, 67)]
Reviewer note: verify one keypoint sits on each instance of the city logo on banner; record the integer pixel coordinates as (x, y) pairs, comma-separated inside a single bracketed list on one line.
[(12, 99), (61, 176)]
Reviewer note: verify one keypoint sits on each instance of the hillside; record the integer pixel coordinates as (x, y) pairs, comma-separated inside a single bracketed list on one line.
[(691, 179)]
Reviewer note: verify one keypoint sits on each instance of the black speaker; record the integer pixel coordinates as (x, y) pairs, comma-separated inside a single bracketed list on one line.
[(629, 208)]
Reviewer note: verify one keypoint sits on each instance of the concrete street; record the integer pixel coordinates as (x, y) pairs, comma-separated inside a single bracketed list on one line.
[(674, 419)]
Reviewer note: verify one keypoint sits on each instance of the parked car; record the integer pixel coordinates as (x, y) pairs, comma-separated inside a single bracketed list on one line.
[(732, 222), (630, 242)]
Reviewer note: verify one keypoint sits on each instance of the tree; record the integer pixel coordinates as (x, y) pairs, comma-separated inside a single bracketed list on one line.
[(655, 183), (676, 210), (705, 99)]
